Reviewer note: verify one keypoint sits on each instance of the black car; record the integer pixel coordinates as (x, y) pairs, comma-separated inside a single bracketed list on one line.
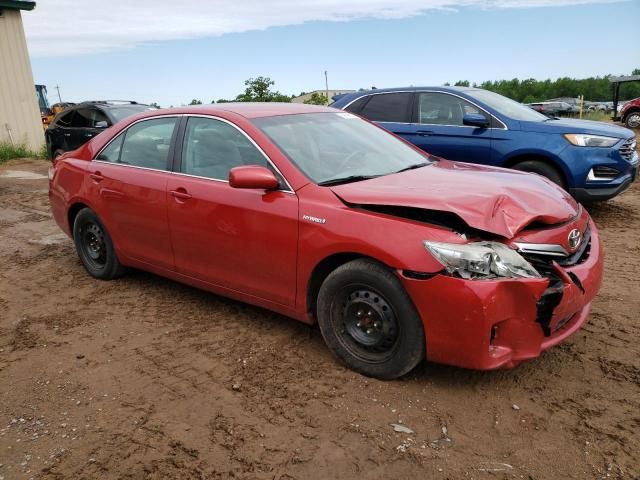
[(77, 125)]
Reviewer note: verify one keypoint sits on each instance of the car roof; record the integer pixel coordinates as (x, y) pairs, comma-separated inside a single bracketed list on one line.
[(362, 93), (246, 109)]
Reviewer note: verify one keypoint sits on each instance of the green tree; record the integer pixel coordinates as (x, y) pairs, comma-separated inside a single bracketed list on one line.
[(154, 105), (195, 102), (317, 99), (259, 90), (462, 83)]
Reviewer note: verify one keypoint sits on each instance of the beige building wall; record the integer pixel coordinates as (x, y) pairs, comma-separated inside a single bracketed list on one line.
[(20, 121)]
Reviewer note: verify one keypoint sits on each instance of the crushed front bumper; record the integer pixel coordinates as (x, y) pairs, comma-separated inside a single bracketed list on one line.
[(488, 324)]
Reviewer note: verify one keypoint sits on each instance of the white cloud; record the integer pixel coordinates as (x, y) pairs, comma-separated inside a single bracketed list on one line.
[(71, 27)]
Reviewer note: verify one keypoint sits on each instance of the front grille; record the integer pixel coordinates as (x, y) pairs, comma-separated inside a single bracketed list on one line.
[(605, 172), (543, 263), (627, 149)]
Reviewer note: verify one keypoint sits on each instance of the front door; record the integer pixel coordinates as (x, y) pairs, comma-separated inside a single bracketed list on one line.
[(439, 129), (127, 185), (244, 240)]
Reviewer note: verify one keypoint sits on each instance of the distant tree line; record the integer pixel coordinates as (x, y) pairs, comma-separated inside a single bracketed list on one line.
[(596, 89), (532, 90)]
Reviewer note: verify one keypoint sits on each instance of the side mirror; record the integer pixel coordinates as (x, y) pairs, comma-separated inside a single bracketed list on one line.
[(102, 124), (253, 176), (475, 120)]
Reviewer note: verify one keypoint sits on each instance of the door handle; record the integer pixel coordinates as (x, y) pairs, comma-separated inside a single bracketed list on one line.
[(180, 194), (96, 177), (424, 133)]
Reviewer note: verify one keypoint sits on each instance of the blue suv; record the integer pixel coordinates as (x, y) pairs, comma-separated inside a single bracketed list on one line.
[(591, 160)]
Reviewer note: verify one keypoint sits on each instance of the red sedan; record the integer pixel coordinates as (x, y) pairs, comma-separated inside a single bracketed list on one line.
[(322, 216)]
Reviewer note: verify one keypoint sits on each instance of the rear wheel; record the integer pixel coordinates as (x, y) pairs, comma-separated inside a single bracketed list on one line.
[(94, 246), (541, 168), (57, 152), (632, 120), (368, 320)]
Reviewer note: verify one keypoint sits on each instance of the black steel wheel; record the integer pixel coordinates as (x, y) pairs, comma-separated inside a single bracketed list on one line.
[(368, 320), (94, 246)]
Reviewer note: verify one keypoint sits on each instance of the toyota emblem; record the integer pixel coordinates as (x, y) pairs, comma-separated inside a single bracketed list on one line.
[(574, 238)]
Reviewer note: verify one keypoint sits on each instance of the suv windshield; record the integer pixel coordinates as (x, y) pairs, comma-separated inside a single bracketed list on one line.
[(126, 111), (339, 147), (506, 106)]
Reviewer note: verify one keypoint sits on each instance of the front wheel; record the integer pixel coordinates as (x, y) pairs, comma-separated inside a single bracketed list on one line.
[(94, 246), (368, 320), (632, 120), (541, 168)]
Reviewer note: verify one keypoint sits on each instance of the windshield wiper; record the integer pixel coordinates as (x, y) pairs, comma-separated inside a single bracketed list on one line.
[(413, 167), (349, 179)]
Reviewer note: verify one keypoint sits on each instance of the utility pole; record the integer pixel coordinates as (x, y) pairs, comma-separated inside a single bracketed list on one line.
[(59, 97), (326, 86)]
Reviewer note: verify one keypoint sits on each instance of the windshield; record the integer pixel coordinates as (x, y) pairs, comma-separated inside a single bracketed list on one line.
[(506, 106), (123, 112), (334, 147)]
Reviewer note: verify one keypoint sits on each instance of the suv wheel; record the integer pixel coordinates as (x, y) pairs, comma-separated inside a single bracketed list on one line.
[(368, 320), (57, 152), (541, 168), (632, 120)]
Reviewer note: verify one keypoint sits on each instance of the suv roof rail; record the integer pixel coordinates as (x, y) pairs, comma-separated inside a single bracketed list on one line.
[(113, 102)]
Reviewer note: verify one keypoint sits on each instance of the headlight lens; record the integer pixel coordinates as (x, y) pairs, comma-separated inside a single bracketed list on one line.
[(583, 140), (481, 260)]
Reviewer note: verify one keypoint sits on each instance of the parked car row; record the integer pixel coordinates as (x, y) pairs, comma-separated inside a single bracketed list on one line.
[(320, 215)]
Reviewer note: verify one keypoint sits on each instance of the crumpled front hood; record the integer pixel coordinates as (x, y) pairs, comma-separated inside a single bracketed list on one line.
[(494, 200)]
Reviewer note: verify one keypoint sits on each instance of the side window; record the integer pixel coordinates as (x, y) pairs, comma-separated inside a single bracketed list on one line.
[(146, 144), (65, 119), (443, 109), (112, 152), (88, 117), (211, 148), (356, 106), (388, 107), (82, 118)]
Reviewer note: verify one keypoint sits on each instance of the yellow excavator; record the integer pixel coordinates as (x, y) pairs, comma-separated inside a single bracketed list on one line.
[(47, 112)]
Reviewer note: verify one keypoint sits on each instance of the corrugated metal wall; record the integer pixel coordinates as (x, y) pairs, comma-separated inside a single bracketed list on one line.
[(19, 112)]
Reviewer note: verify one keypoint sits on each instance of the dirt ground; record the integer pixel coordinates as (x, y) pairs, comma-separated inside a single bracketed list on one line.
[(144, 378)]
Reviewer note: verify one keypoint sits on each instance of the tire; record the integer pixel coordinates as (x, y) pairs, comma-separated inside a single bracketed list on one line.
[(632, 120), (541, 168), (369, 322), (57, 152), (94, 246)]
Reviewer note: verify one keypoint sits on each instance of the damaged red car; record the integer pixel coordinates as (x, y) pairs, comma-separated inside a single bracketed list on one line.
[(324, 217)]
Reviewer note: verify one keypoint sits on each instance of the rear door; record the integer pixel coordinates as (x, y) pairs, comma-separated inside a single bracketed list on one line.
[(128, 189), (389, 110), (241, 239)]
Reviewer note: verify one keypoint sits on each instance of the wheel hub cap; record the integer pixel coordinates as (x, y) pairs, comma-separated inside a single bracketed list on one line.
[(369, 321)]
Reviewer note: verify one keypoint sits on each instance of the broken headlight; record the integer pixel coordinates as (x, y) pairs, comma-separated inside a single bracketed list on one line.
[(480, 260)]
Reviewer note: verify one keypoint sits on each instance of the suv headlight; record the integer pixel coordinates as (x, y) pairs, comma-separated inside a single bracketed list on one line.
[(481, 260), (584, 140)]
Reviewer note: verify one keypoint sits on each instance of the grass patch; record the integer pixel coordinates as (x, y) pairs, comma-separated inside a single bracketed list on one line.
[(9, 152)]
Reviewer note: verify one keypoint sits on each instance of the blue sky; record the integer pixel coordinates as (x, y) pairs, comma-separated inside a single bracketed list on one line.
[(443, 42)]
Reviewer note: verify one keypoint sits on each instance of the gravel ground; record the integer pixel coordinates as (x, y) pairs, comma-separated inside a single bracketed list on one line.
[(144, 378)]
